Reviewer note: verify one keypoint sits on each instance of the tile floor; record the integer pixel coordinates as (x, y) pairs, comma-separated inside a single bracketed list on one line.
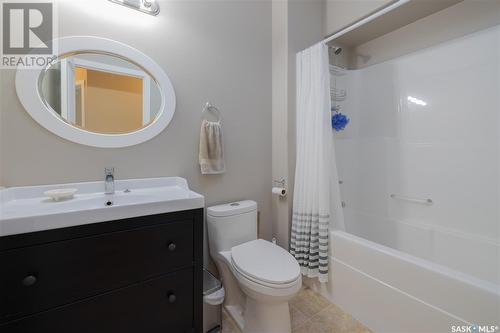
[(312, 313)]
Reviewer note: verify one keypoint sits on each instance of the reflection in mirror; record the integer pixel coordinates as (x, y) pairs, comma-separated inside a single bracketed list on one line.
[(101, 93)]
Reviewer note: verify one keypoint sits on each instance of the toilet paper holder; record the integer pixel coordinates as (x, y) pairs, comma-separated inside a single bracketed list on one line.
[(279, 188), (280, 182)]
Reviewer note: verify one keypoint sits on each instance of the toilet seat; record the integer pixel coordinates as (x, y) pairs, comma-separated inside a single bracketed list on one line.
[(262, 285), (266, 264)]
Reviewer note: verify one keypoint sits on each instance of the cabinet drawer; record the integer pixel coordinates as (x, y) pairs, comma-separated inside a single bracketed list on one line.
[(163, 304), (41, 277)]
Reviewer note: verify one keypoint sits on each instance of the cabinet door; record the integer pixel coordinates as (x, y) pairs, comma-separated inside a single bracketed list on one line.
[(163, 305), (41, 277)]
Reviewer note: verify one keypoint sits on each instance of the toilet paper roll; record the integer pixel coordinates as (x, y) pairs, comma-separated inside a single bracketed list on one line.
[(279, 191)]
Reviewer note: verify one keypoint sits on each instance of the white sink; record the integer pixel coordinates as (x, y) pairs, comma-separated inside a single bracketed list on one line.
[(26, 209)]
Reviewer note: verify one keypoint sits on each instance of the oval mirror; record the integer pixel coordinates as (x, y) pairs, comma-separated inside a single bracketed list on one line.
[(98, 92)]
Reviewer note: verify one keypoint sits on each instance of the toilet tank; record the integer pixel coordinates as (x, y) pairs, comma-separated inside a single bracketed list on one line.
[(231, 224)]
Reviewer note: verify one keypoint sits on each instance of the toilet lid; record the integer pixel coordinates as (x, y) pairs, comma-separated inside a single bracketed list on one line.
[(265, 262)]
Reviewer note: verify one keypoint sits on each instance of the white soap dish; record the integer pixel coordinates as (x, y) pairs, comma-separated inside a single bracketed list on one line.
[(60, 193)]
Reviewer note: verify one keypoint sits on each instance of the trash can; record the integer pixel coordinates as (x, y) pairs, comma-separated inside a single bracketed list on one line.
[(213, 297)]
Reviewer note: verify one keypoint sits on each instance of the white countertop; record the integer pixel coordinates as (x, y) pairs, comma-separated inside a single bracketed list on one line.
[(26, 209)]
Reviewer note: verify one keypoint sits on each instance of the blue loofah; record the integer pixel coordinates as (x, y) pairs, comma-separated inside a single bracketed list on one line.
[(339, 121)]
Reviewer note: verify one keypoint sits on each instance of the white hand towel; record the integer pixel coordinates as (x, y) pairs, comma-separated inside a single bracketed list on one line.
[(211, 150)]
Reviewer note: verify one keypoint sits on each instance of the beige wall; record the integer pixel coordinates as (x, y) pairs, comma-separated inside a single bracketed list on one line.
[(113, 102), (280, 206), (305, 20), (341, 13), (297, 24), (212, 50)]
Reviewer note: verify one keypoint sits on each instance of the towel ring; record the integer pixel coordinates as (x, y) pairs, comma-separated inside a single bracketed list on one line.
[(210, 108)]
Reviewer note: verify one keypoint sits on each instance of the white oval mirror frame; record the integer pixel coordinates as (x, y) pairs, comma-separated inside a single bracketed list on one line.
[(28, 92)]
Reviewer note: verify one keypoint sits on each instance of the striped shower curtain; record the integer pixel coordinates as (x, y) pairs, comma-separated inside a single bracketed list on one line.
[(311, 199)]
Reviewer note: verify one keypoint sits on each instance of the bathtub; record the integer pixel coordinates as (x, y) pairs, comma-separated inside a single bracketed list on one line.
[(392, 291)]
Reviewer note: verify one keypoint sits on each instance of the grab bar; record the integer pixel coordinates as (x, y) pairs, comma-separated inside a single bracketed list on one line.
[(415, 200)]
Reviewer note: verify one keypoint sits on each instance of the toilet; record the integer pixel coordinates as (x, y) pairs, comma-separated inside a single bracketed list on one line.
[(259, 277)]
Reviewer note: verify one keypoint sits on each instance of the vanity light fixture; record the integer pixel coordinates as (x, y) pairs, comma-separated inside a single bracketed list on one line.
[(150, 7)]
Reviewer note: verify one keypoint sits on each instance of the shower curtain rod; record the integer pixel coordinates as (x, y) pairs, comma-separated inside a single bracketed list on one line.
[(370, 17)]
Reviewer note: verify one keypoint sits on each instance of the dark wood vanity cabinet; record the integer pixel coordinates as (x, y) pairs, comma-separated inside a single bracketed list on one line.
[(141, 274)]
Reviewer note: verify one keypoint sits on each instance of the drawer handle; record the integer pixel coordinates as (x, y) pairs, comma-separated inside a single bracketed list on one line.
[(172, 247), (171, 297), (29, 280)]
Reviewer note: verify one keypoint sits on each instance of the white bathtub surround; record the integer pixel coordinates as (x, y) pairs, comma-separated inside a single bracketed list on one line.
[(390, 291), (424, 126), (311, 201)]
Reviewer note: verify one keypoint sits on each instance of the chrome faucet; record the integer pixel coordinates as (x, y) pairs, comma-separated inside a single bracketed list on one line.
[(109, 181)]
